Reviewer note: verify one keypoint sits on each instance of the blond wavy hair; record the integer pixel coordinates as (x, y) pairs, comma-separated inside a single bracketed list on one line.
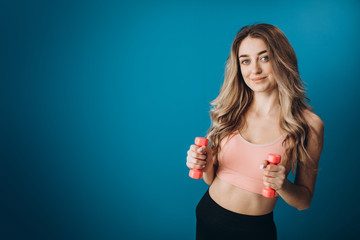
[(227, 112)]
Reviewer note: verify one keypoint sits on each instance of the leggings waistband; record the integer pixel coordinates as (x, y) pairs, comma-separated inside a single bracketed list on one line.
[(236, 217)]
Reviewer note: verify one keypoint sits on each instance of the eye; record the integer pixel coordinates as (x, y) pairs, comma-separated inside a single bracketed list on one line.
[(264, 58), (246, 61)]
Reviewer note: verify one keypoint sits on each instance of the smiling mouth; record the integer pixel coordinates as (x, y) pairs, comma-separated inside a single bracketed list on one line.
[(257, 79)]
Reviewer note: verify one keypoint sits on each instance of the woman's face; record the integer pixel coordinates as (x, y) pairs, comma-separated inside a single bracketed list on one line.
[(255, 65)]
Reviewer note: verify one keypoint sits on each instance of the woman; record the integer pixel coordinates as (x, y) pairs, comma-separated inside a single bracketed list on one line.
[(260, 110)]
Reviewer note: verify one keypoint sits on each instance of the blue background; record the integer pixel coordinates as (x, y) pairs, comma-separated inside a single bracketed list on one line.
[(100, 101)]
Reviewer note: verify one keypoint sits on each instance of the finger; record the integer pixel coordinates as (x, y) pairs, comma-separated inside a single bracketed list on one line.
[(270, 173), (197, 155), (273, 168), (276, 177), (270, 179), (205, 149), (201, 150), (276, 168), (194, 148), (263, 164), (193, 165), (274, 171), (195, 161), (271, 185)]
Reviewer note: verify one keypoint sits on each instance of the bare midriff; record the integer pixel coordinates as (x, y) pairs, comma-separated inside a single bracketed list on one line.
[(238, 200)]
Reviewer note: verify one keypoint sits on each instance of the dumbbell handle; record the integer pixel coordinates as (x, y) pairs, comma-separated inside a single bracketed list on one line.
[(197, 173), (273, 159)]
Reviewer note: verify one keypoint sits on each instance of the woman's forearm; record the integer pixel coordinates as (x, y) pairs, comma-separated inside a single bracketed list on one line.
[(295, 195), (209, 174)]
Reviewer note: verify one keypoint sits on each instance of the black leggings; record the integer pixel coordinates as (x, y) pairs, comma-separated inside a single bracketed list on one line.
[(216, 222)]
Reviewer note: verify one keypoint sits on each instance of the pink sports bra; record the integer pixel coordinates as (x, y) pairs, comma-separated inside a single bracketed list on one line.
[(240, 160)]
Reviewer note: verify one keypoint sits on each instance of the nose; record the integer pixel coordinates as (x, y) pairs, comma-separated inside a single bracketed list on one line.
[(256, 68)]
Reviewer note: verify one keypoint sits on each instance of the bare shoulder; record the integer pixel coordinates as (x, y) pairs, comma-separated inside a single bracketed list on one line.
[(316, 134), (315, 122)]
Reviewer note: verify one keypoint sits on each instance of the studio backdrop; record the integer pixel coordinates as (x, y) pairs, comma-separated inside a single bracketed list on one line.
[(100, 101)]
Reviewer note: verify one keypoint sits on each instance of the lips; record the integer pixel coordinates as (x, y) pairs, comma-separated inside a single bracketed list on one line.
[(257, 79)]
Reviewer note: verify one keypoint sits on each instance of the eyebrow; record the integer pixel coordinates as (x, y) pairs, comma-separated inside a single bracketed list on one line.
[(245, 55)]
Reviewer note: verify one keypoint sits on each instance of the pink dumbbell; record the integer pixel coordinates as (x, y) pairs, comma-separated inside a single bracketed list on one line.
[(273, 159), (197, 173)]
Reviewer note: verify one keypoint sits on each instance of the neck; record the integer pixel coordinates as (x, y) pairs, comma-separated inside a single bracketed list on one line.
[(265, 103)]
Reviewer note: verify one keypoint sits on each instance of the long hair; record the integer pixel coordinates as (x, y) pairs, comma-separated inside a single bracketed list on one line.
[(227, 112)]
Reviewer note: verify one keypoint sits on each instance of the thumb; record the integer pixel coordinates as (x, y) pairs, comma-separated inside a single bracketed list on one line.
[(204, 149), (264, 164)]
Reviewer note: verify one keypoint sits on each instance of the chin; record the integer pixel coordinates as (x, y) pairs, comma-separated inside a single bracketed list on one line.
[(261, 88)]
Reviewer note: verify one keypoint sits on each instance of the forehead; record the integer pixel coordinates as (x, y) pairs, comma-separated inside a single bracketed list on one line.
[(252, 46)]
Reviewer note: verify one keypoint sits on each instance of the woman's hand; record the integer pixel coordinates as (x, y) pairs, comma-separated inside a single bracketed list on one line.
[(274, 176), (199, 158)]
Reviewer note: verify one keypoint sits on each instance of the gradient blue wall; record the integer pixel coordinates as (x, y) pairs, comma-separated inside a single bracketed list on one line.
[(100, 101)]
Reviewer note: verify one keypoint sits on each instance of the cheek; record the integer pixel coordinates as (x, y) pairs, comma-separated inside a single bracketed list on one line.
[(268, 68), (244, 72)]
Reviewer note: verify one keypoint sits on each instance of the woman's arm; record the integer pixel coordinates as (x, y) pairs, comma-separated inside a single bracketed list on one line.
[(300, 193), (209, 174)]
